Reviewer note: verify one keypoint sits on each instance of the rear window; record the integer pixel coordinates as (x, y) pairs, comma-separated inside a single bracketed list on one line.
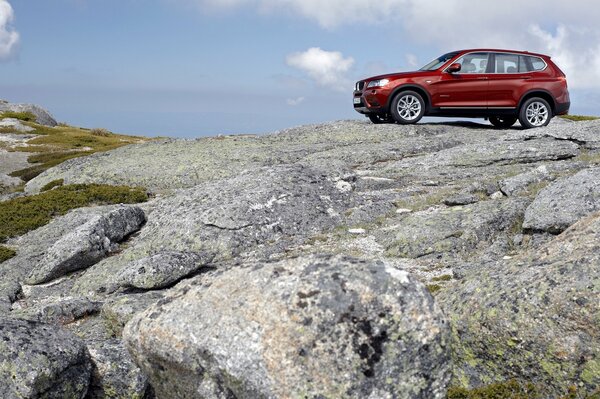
[(530, 63), (507, 63)]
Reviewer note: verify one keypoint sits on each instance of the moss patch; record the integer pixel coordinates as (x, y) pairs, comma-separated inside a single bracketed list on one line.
[(20, 215), (433, 288), (513, 389), (6, 253), (579, 118)]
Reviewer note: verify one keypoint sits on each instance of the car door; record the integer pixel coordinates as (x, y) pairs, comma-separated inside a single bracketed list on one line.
[(467, 88), (509, 81)]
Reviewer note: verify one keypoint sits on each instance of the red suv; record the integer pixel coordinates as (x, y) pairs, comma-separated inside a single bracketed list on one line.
[(499, 85)]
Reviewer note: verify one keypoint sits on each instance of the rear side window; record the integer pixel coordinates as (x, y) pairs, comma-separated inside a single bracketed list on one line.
[(530, 64), (507, 63)]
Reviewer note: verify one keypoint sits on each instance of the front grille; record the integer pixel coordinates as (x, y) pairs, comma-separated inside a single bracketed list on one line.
[(360, 85)]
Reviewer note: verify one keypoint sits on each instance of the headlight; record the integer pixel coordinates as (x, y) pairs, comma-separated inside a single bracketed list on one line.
[(378, 83)]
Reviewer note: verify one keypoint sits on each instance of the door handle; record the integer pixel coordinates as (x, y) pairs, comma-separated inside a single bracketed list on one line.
[(482, 78)]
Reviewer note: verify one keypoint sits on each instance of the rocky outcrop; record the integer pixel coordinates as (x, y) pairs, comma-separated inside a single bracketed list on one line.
[(252, 215), (42, 116), (534, 317), (239, 284), (313, 327), (564, 202), (40, 361)]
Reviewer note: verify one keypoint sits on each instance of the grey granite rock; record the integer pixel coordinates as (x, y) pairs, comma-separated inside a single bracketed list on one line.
[(41, 361), (519, 184), (312, 327), (563, 202), (114, 374), (59, 311), (534, 317), (43, 117), (160, 270), (255, 214), (117, 311), (88, 243)]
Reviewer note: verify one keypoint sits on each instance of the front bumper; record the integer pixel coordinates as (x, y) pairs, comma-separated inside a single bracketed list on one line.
[(371, 101)]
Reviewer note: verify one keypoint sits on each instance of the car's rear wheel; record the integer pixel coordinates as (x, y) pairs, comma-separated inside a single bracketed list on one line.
[(407, 107), (502, 122), (380, 118), (535, 112)]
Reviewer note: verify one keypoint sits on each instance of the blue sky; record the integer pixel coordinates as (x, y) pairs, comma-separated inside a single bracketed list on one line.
[(202, 67)]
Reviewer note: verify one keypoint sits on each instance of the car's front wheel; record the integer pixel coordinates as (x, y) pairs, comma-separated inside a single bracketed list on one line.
[(502, 122), (535, 112), (380, 118), (407, 107)]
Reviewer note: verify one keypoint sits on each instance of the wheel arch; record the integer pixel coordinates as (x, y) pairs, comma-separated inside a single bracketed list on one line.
[(409, 86), (541, 94)]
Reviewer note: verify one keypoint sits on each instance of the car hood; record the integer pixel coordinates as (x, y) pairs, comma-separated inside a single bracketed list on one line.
[(398, 75)]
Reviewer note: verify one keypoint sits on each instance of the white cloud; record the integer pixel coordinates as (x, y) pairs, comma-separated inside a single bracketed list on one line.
[(569, 31), (294, 101), (327, 68), (9, 38), (412, 60)]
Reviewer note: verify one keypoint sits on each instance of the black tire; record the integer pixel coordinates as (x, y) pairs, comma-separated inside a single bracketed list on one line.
[(535, 112), (503, 122), (380, 118), (405, 105)]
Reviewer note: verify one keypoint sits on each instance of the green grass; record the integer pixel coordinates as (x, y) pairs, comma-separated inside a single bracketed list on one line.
[(54, 145), (23, 116), (579, 118), (52, 184), (433, 288), (444, 277), (6, 253), (20, 215)]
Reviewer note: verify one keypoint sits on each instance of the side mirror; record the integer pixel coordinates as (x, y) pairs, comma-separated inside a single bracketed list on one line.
[(454, 68)]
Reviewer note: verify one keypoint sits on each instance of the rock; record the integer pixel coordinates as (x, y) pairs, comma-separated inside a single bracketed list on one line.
[(43, 117), (584, 133), (255, 215), (310, 327), (451, 231), (117, 311), (59, 311), (15, 124), (160, 270), (357, 231), (41, 361), (461, 199), (565, 201), (114, 374), (534, 317), (88, 243), (520, 183)]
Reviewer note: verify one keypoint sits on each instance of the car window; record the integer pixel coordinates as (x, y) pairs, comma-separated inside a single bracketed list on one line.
[(525, 64), (438, 62), (473, 63), (537, 63), (506, 63)]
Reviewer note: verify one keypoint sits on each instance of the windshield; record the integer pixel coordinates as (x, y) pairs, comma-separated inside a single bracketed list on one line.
[(438, 62)]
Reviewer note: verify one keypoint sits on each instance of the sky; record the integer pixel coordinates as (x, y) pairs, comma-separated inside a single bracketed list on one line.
[(190, 68)]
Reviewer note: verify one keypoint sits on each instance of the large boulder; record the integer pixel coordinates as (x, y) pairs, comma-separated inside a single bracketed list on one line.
[(535, 317), (41, 361), (42, 116), (67, 243), (314, 327), (88, 243), (564, 202)]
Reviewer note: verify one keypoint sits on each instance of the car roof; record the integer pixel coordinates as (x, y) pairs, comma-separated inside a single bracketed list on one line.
[(495, 50)]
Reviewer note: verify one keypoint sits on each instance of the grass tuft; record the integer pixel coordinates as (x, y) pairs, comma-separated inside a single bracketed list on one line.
[(6, 253), (52, 184), (23, 116), (579, 118), (512, 389), (20, 215)]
